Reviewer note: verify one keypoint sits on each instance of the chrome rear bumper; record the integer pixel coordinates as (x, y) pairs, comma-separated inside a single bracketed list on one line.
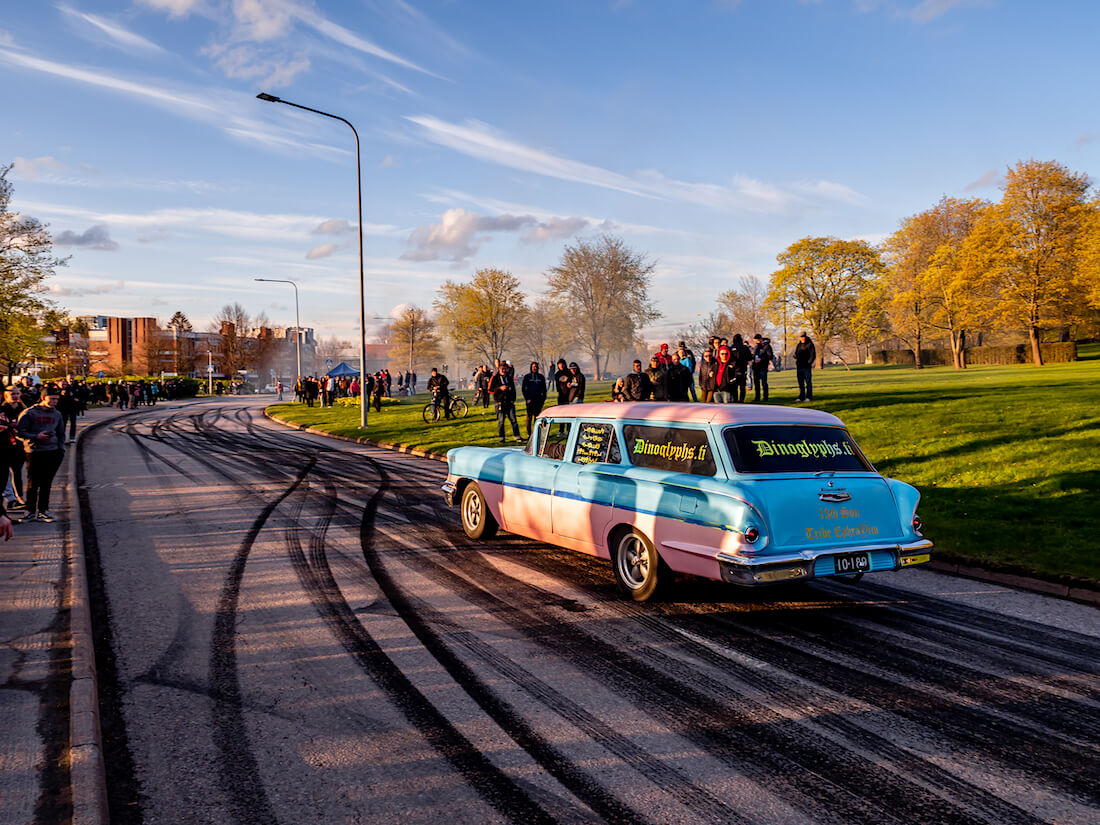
[(763, 570)]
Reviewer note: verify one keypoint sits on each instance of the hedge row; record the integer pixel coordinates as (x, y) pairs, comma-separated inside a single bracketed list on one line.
[(1014, 354)]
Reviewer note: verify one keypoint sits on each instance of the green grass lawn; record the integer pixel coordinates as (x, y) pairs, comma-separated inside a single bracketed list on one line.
[(1007, 458)]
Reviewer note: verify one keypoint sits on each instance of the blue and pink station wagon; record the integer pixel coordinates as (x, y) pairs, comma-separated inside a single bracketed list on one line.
[(750, 495)]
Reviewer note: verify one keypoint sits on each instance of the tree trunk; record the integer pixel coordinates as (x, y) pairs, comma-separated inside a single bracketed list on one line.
[(962, 349), (916, 352), (1036, 352)]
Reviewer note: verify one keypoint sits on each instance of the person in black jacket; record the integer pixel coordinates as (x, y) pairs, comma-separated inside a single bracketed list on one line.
[(658, 379), (707, 367), (534, 393), (42, 431), (679, 379), (439, 387), (805, 354), (740, 358), (561, 381), (636, 386), (761, 360), (503, 389), (12, 457), (576, 385)]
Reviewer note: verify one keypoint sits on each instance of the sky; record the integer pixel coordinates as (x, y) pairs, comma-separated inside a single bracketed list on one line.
[(708, 135)]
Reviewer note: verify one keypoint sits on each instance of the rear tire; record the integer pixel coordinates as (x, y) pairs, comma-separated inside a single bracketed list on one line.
[(639, 571), (477, 521)]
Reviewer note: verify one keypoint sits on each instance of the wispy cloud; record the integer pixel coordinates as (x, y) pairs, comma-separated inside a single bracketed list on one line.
[(480, 141), (223, 222), (989, 178), (322, 251), (115, 34), (460, 233), (35, 168), (95, 237), (59, 291), (928, 10)]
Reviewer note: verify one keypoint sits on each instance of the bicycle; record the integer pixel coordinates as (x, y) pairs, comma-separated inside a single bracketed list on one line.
[(457, 405)]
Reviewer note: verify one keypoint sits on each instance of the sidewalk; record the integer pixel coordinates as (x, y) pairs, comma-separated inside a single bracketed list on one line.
[(39, 666)]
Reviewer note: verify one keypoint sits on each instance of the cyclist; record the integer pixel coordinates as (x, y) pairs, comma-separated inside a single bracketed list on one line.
[(441, 395)]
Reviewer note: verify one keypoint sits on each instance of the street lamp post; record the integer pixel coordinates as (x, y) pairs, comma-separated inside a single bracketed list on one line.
[(297, 318), (362, 303)]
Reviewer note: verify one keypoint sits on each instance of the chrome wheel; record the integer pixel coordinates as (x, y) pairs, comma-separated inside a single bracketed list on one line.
[(638, 568), (477, 520)]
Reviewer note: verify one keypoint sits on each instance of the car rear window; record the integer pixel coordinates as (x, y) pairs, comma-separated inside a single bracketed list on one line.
[(679, 449), (786, 448)]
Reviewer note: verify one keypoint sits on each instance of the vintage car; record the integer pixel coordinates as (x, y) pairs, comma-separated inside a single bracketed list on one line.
[(747, 494)]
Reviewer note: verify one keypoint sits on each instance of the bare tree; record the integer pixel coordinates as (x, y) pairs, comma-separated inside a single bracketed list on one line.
[(744, 307), (234, 324), (415, 341), (603, 288)]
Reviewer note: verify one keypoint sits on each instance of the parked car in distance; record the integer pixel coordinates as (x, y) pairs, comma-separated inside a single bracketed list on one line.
[(271, 388), (747, 494)]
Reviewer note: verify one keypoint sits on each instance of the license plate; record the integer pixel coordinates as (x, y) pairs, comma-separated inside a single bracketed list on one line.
[(851, 563)]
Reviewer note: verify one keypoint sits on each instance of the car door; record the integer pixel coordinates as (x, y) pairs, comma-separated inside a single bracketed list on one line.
[(581, 505), (529, 481)]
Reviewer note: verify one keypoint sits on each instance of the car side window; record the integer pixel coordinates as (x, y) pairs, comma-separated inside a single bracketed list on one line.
[(596, 443), (557, 435)]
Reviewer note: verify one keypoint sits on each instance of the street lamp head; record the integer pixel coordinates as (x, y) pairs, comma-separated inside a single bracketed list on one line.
[(269, 98)]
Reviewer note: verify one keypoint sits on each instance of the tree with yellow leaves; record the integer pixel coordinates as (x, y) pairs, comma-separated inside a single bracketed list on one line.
[(925, 287), (484, 315), (820, 280), (1025, 249)]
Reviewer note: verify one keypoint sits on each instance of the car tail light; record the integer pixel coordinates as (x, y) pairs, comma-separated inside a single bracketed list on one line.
[(751, 535), (917, 523)]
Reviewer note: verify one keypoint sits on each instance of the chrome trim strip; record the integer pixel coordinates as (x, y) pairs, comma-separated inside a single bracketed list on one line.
[(811, 555)]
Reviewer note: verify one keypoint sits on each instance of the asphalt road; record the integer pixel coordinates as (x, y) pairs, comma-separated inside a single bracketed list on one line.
[(292, 630)]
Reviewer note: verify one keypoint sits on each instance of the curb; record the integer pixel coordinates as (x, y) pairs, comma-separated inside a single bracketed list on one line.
[(87, 774), (1075, 593)]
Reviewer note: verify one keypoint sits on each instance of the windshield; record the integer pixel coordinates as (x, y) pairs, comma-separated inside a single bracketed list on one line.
[(793, 448)]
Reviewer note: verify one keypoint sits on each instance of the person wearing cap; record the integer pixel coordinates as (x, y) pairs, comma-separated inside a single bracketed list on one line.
[(805, 354), (577, 384), (658, 379), (42, 431), (761, 360), (663, 357)]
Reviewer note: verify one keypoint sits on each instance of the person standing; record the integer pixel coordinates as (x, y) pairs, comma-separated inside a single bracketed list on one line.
[(706, 376), (42, 430), (636, 386), (724, 380), (577, 384), (658, 379), (69, 406), (503, 389), (761, 362), (679, 378), (561, 381), (687, 358), (534, 393), (740, 358), (12, 456), (805, 355), (438, 386)]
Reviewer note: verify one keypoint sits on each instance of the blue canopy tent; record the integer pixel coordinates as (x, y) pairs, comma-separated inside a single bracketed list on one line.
[(342, 370)]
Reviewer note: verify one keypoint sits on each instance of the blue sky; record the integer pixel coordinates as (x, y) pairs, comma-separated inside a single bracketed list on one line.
[(709, 135)]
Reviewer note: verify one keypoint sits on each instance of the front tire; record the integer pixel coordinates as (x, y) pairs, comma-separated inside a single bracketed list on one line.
[(639, 571), (477, 521), (459, 408), (431, 414)]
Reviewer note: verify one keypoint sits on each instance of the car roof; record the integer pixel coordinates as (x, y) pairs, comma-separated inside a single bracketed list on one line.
[(695, 413)]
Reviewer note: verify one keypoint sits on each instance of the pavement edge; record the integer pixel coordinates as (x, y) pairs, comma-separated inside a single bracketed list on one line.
[(87, 772), (1075, 593)]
